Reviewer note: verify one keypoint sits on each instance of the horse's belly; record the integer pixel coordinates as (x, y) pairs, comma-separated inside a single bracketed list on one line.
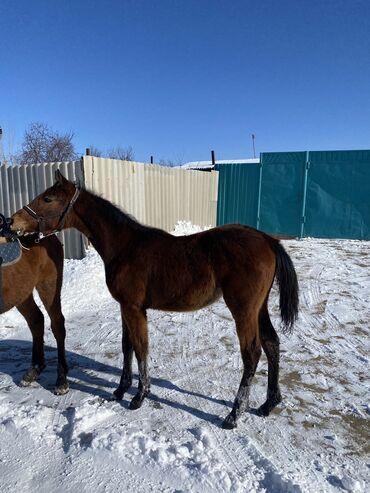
[(187, 302)]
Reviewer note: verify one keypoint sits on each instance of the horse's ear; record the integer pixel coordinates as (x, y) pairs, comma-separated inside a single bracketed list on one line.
[(59, 178)]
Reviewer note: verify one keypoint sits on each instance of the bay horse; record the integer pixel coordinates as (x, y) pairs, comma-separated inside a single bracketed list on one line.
[(147, 267), (40, 267)]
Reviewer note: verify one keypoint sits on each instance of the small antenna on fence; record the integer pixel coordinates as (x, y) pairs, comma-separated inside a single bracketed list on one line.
[(254, 148), (151, 159), (88, 153), (213, 158)]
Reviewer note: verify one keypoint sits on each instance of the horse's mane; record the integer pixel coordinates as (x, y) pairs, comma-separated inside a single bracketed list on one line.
[(118, 216)]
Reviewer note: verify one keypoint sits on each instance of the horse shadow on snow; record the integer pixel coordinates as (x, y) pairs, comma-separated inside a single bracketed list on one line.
[(94, 377)]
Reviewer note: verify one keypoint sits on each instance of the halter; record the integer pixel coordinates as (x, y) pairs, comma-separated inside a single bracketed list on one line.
[(62, 216)]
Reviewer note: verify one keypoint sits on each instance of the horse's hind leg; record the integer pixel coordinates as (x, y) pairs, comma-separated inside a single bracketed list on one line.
[(35, 320), (270, 344), (127, 350), (49, 292), (250, 347), (137, 338)]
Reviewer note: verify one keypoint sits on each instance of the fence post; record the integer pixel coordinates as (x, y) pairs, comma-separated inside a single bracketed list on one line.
[(259, 192), (81, 180), (303, 218), (88, 153)]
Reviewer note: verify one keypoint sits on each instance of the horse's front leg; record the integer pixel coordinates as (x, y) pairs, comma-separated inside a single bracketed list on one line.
[(137, 333), (127, 350), (59, 331), (35, 320), (49, 292)]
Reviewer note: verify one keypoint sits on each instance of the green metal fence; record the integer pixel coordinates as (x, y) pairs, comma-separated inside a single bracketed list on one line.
[(338, 195), (238, 193), (324, 194)]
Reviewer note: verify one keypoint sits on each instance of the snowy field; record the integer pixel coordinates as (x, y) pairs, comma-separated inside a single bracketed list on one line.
[(317, 440)]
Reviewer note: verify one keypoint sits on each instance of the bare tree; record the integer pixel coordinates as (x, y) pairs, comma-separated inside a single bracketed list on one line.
[(8, 155), (41, 144), (123, 153), (170, 163), (118, 152)]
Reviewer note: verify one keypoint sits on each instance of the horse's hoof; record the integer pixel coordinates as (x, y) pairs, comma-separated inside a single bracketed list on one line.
[(135, 403), (263, 411), (31, 375), (229, 423), (137, 400), (268, 406), (118, 394), (25, 383), (61, 389)]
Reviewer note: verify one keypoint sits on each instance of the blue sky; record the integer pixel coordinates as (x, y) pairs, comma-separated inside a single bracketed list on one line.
[(175, 78)]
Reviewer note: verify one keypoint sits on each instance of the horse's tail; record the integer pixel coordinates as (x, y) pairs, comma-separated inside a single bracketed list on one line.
[(288, 286)]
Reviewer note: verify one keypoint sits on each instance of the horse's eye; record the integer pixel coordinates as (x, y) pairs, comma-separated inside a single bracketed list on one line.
[(47, 199)]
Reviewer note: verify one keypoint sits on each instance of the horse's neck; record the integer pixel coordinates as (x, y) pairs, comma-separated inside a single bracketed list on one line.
[(107, 234)]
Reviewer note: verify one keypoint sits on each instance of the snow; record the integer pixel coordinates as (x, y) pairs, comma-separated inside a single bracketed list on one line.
[(316, 440), (208, 164)]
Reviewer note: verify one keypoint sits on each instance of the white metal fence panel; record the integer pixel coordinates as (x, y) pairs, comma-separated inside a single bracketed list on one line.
[(155, 195), (20, 184)]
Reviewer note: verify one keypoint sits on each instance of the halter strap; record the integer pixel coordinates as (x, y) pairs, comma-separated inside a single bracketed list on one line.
[(62, 216)]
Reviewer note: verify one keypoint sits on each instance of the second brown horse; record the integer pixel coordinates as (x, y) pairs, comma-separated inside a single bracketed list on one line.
[(40, 268), (148, 268)]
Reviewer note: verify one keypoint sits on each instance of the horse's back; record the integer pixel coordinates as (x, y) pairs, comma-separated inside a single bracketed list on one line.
[(238, 245)]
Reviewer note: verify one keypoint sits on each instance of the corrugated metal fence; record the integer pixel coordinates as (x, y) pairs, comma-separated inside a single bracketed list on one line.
[(20, 184), (155, 195), (320, 194), (323, 194), (238, 189)]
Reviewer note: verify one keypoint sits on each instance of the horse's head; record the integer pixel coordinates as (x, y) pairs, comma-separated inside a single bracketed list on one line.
[(48, 212), (5, 230)]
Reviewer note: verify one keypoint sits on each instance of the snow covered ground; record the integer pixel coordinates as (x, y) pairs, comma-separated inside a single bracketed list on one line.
[(317, 440)]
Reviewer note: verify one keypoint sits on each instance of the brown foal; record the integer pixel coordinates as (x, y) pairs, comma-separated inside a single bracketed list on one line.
[(148, 268), (40, 267)]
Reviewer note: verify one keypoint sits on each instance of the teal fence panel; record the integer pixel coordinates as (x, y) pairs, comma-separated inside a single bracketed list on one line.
[(338, 195), (282, 193), (323, 194), (238, 187)]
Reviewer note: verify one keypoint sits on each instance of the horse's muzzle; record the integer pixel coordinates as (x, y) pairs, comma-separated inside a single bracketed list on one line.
[(5, 230)]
